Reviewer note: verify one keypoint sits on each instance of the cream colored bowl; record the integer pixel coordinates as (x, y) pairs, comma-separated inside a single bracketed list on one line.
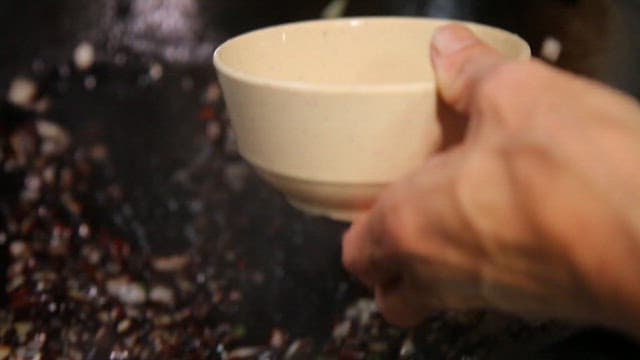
[(331, 111)]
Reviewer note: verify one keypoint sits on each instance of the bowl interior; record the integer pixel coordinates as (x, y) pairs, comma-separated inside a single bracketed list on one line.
[(365, 51)]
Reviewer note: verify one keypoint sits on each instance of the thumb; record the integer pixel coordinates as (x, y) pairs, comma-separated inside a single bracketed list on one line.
[(460, 61)]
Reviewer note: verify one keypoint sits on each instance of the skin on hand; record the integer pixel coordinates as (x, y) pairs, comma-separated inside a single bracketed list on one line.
[(536, 212)]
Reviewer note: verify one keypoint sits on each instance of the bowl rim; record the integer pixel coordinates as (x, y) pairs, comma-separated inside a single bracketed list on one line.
[(242, 76)]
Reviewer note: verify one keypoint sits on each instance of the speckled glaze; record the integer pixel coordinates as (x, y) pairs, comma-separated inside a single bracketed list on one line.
[(331, 111)]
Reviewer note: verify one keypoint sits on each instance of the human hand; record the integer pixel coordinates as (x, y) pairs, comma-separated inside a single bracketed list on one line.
[(532, 213)]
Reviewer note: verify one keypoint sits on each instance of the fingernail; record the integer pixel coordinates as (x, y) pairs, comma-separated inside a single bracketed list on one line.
[(451, 38)]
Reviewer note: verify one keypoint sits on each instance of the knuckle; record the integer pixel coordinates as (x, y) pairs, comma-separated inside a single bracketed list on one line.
[(399, 307), (502, 79), (350, 258), (347, 259), (499, 92), (396, 222), (507, 73), (354, 266)]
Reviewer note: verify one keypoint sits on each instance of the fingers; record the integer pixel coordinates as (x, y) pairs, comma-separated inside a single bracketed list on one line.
[(461, 61), (494, 93), (384, 247), (363, 255), (399, 305), (367, 253)]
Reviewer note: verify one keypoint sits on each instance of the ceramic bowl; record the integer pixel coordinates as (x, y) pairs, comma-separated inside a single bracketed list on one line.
[(332, 111)]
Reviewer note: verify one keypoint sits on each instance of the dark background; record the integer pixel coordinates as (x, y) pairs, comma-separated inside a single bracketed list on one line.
[(600, 37)]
